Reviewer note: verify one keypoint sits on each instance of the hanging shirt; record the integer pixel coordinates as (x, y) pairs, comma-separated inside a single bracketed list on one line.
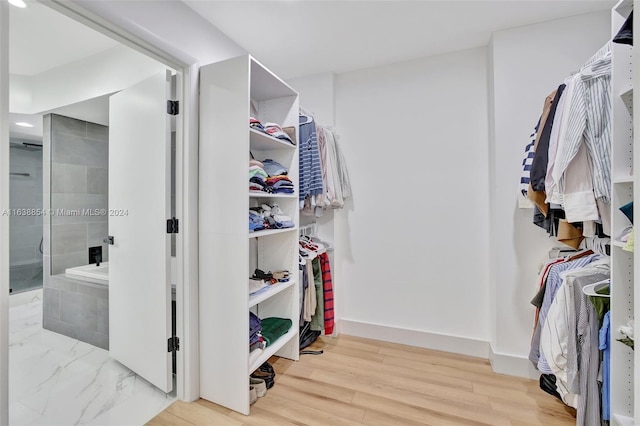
[(589, 122), (605, 346), (539, 165), (310, 169), (529, 152), (327, 284), (554, 280)]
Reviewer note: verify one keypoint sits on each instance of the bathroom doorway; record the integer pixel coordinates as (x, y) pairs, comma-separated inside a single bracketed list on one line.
[(57, 338)]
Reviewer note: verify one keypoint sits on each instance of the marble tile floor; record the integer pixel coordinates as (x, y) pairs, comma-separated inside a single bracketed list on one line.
[(56, 380)]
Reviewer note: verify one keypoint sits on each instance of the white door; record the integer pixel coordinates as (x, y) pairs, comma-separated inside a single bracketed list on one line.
[(139, 206)]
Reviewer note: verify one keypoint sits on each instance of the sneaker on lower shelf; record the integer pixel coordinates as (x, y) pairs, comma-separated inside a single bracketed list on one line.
[(253, 395), (259, 385)]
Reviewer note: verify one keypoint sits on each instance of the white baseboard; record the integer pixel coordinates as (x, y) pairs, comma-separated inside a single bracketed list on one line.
[(512, 365), (422, 339), (25, 297)]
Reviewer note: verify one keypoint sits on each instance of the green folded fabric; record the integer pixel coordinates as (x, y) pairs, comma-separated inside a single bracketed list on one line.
[(273, 328)]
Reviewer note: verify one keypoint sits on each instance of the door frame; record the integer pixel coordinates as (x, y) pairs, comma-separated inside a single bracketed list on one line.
[(187, 385), (4, 220)]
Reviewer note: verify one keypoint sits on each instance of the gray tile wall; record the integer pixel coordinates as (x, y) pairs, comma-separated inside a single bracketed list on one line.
[(77, 309), (75, 177), (79, 179)]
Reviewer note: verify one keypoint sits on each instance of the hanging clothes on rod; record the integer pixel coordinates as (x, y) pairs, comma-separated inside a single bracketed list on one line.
[(317, 303), (327, 170)]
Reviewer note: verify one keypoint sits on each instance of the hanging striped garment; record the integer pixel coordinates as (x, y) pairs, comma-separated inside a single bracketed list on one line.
[(589, 121), (327, 284), (529, 153)]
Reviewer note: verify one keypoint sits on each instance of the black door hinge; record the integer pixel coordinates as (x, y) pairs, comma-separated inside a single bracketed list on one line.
[(172, 226), (173, 107), (173, 344)]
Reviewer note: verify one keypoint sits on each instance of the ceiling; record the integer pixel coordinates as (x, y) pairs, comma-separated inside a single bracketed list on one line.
[(295, 38), (41, 39)]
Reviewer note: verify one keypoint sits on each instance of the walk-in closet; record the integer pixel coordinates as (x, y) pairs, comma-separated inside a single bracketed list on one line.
[(395, 213)]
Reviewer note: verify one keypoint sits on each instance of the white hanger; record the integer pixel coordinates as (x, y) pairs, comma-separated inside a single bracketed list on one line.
[(590, 289)]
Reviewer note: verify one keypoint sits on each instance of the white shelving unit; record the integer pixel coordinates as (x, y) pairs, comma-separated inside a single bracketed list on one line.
[(623, 383), (229, 253)]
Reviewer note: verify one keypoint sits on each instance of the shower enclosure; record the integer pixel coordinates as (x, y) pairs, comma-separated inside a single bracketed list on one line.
[(25, 202)]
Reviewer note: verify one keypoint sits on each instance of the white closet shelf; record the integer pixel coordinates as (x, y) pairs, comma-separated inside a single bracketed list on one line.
[(266, 85), (259, 356), (622, 6), (627, 92), (272, 291), (268, 232), (623, 179), (258, 194), (618, 243), (623, 420), (261, 141)]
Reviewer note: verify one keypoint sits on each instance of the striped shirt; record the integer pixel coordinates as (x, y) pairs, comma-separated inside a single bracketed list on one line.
[(310, 168), (554, 281), (589, 121), (529, 153), (569, 343)]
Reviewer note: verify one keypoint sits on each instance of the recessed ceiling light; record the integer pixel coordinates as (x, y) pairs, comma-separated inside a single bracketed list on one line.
[(24, 124), (18, 3)]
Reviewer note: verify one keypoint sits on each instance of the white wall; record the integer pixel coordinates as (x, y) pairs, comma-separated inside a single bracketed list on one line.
[(317, 95), (528, 63), (101, 74), (416, 239)]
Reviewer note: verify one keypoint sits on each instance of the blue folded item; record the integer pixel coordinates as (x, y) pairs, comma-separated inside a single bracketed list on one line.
[(273, 168), (255, 324), (283, 191)]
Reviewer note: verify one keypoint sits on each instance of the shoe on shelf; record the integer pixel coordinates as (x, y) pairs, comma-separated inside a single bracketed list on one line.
[(253, 395), (259, 385), (268, 368), (267, 377)]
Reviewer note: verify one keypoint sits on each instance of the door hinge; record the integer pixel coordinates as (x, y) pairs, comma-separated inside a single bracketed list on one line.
[(173, 344), (172, 226), (173, 107)]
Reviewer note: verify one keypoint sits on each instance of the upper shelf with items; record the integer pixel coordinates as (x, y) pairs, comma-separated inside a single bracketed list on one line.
[(261, 141)]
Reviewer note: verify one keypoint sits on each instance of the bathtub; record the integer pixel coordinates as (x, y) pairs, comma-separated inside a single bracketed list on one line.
[(93, 273), (100, 274)]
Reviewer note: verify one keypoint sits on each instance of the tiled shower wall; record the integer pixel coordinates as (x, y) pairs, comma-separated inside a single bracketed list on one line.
[(77, 155)]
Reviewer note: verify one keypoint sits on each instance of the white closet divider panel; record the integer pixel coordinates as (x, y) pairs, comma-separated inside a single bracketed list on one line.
[(229, 253), (623, 370)]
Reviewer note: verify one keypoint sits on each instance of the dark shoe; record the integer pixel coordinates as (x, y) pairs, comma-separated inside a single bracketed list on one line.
[(267, 368), (267, 377)]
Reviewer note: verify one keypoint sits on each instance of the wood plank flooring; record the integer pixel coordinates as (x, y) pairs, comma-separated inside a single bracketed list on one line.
[(366, 382)]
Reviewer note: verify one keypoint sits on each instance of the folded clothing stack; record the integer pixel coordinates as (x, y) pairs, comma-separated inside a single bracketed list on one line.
[(280, 185), (257, 176), (271, 216), (261, 280), (256, 341), (256, 221), (273, 328), (272, 129)]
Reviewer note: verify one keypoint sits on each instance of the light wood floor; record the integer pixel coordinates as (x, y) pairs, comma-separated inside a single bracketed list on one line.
[(360, 381)]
